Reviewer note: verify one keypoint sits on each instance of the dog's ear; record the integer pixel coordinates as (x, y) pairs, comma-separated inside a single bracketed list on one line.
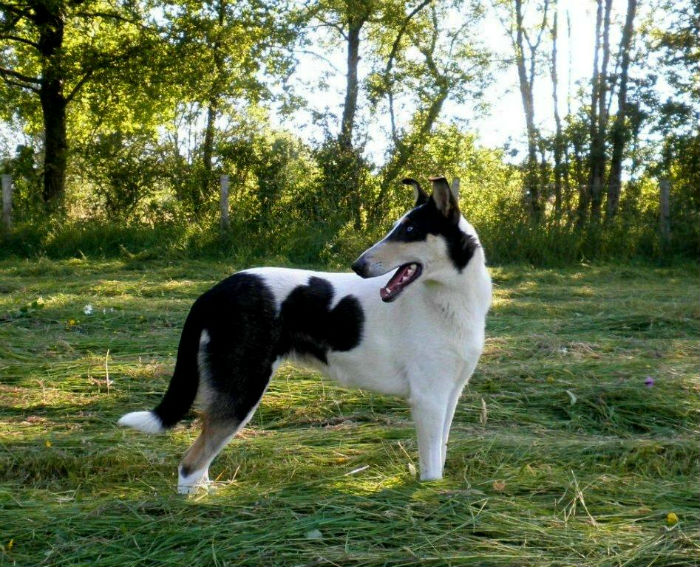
[(419, 195), (455, 188), (445, 198)]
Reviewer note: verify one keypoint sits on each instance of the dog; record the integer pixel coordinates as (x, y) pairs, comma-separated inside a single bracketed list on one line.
[(417, 334)]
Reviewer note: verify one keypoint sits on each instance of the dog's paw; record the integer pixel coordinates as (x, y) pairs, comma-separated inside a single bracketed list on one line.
[(430, 477), (193, 483), (193, 488)]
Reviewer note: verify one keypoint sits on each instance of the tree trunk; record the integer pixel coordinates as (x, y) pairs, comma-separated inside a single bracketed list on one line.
[(558, 145), (53, 106), (586, 191), (567, 166), (665, 214), (618, 130), (207, 156), (49, 19), (212, 113), (532, 197), (347, 123), (350, 156), (597, 154)]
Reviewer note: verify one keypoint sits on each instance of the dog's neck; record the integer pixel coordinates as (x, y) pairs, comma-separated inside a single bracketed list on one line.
[(468, 291)]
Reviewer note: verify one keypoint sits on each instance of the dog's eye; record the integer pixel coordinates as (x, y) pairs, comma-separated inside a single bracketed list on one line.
[(409, 228)]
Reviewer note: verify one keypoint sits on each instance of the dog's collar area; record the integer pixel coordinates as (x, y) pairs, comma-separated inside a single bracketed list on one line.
[(406, 274)]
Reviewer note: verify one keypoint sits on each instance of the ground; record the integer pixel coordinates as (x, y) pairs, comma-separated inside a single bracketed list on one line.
[(576, 443)]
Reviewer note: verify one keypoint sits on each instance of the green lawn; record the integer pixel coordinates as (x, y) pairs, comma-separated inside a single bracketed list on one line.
[(562, 452)]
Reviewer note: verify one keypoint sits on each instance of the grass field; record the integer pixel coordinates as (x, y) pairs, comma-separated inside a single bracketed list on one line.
[(576, 443)]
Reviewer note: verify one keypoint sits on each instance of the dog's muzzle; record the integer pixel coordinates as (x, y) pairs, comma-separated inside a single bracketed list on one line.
[(361, 267)]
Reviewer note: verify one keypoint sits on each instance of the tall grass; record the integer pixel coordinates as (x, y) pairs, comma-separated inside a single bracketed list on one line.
[(576, 443), (331, 243)]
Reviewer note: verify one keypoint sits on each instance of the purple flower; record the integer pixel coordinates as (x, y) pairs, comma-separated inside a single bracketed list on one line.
[(649, 382)]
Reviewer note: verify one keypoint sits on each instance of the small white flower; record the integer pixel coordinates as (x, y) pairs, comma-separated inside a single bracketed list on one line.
[(88, 309), (314, 534)]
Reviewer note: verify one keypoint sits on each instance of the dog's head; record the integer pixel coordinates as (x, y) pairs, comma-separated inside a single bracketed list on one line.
[(431, 240)]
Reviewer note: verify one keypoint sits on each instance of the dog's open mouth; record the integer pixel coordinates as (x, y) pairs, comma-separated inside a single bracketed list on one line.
[(405, 275)]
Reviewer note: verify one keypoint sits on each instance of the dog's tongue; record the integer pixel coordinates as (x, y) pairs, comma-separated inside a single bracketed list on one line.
[(403, 276)]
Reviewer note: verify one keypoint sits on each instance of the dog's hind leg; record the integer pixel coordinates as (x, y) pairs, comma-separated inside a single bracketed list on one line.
[(193, 471), (225, 417), (230, 400)]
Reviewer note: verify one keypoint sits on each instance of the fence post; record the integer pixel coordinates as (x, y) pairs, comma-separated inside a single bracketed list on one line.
[(225, 224), (665, 212), (6, 201)]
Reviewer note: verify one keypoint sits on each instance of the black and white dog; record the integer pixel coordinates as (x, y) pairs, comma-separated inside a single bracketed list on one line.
[(417, 334)]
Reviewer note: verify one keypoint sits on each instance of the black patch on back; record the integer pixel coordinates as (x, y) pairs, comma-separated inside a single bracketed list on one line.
[(247, 335), (310, 326), (427, 219), (239, 315)]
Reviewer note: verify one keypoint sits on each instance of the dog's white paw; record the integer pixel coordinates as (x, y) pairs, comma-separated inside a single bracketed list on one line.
[(193, 488), (427, 477), (193, 483)]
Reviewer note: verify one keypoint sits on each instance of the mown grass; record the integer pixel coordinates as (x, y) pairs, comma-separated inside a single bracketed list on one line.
[(575, 440)]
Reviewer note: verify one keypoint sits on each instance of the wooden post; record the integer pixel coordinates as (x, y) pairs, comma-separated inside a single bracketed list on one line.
[(665, 213), (225, 223), (6, 201)]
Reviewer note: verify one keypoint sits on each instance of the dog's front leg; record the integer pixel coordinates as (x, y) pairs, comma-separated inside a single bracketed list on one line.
[(450, 408), (429, 412), (452, 402)]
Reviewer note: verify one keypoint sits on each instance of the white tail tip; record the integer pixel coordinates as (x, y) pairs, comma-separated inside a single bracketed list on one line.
[(145, 421)]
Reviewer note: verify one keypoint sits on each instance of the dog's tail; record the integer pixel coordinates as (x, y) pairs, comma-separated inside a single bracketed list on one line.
[(183, 385)]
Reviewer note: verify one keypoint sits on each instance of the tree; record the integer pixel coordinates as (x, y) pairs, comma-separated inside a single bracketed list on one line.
[(54, 48), (229, 54), (355, 16), (430, 60), (678, 46), (619, 128), (366, 28), (526, 61), (598, 110), (560, 168), (346, 20)]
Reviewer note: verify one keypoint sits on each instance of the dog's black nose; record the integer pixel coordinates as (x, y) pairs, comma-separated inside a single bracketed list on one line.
[(359, 266)]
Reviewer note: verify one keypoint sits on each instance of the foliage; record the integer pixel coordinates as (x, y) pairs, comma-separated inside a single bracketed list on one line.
[(345, 184), (124, 171), (163, 98), (26, 179)]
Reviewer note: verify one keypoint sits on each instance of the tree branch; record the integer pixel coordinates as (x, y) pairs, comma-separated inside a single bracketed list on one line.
[(109, 15), (20, 40), (392, 116), (25, 78), (20, 85), (15, 10), (390, 65), (399, 36), (79, 85), (98, 66), (321, 57), (335, 25), (542, 27)]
